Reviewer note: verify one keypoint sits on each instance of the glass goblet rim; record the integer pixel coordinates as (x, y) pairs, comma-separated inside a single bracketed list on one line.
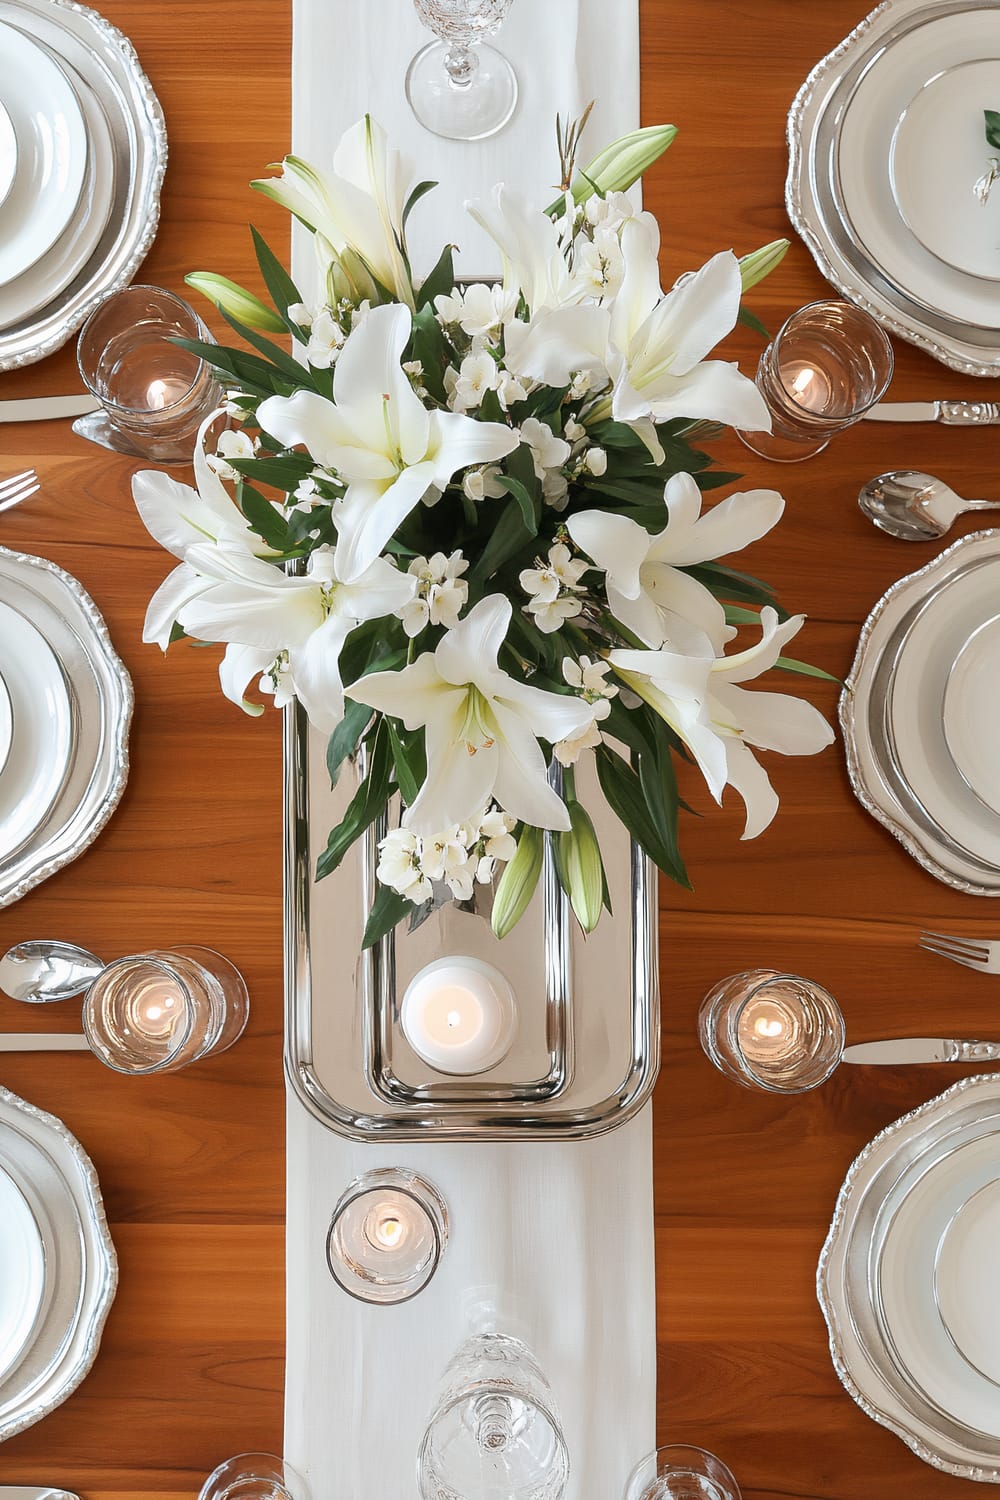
[(108, 402), (179, 1038), (833, 1016), (409, 1185)]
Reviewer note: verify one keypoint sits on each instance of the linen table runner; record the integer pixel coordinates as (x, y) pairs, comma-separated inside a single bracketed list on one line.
[(550, 1241)]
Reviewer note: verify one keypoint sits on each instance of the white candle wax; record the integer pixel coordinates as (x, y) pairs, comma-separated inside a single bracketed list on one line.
[(458, 1014), (155, 1011), (766, 1032)]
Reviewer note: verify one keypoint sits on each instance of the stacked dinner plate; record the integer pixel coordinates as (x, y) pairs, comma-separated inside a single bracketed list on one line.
[(58, 1270), (908, 1285), (82, 155), (921, 714), (65, 706), (886, 143)]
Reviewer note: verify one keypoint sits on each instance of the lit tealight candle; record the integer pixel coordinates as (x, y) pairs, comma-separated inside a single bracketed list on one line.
[(766, 1031), (156, 1009), (459, 1015), (387, 1234)]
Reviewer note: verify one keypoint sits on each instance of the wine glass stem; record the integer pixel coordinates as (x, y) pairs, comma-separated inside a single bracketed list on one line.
[(494, 1430), (461, 63)]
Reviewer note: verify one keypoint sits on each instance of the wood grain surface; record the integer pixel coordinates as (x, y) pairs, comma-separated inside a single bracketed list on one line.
[(191, 1367)]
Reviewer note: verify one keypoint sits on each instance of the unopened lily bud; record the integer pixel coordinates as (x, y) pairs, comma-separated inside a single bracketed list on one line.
[(236, 301), (614, 169), (760, 263), (580, 864), (517, 883)]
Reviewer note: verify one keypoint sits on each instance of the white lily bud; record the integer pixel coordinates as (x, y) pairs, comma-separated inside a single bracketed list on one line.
[(614, 169), (760, 263), (580, 863), (517, 883), (236, 301)]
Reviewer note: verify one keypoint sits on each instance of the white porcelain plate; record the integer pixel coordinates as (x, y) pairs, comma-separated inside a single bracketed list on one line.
[(52, 152), (966, 1280), (933, 645), (42, 739), (938, 151), (22, 1272), (971, 712), (8, 154), (6, 724)]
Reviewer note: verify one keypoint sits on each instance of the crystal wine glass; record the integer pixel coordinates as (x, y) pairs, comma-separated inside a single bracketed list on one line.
[(494, 1433), (458, 86)]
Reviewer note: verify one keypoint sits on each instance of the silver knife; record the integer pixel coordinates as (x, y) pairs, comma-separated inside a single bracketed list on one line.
[(43, 1041), (34, 1492), (953, 413), (923, 1049), (46, 408)]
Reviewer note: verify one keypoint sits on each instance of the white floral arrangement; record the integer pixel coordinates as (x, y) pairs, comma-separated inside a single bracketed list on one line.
[(489, 554)]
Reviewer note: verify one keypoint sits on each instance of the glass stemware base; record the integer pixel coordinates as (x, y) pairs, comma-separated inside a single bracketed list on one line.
[(461, 94)]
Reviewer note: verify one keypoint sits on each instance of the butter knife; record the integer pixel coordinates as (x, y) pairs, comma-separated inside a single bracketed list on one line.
[(922, 1049), (34, 1492), (43, 1041), (953, 413), (46, 408)]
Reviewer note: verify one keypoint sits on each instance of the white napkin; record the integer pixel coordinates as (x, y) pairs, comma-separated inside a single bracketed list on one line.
[(349, 57), (550, 1241)]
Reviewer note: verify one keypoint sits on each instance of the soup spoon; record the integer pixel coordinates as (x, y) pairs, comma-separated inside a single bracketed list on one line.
[(915, 506)]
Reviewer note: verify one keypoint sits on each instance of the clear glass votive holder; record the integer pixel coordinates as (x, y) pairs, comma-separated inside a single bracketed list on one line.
[(387, 1235), (772, 1031), (495, 1432), (681, 1472), (254, 1476), (157, 1012), (829, 364), (152, 392)]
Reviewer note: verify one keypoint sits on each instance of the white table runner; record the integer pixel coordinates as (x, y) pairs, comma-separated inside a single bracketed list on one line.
[(552, 1241)]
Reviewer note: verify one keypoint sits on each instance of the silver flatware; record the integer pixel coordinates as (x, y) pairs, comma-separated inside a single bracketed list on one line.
[(914, 506), (922, 1049), (42, 970), (18, 487), (951, 413), (40, 1041), (45, 409), (34, 1492), (973, 953)]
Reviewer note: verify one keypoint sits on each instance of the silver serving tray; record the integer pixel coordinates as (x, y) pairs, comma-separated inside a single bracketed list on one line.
[(876, 778), (96, 56), (587, 1053), (812, 194), (101, 698), (60, 1185), (847, 1276)]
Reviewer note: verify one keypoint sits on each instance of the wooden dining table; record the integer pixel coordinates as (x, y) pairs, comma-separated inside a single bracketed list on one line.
[(191, 1366)]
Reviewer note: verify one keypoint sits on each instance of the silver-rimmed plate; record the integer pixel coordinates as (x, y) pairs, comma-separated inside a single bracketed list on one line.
[(59, 1185), (891, 1345), (96, 57), (955, 837), (839, 191), (100, 698)]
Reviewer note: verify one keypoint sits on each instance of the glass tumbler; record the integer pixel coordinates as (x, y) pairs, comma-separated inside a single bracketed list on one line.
[(772, 1031), (156, 1012), (458, 86), (153, 394), (828, 365), (679, 1472), (494, 1433), (388, 1233), (254, 1476)]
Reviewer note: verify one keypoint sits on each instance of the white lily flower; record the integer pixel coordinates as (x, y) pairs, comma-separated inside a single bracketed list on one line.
[(265, 612), (358, 207), (718, 720), (379, 437), (531, 248), (646, 589), (482, 725)]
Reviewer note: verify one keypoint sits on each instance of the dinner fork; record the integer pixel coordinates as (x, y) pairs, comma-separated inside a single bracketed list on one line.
[(17, 488), (974, 953)]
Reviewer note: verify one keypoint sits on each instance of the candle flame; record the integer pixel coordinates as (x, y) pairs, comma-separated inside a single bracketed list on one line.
[(768, 1026), (803, 380), (156, 395)]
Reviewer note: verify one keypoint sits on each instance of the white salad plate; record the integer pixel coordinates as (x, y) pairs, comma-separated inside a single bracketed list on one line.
[(100, 706), (891, 231), (915, 1210), (892, 715), (971, 712), (52, 152), (75, 247), (8, 154), (58, 1183), (966, 1285), (6, 723), (42, 739), (22, 1272)]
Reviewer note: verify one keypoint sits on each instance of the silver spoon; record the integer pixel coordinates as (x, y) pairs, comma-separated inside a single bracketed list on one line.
[(42, 970), (915, 506)]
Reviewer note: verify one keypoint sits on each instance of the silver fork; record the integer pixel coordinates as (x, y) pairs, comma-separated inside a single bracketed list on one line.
[(17, 488), (974, 953)]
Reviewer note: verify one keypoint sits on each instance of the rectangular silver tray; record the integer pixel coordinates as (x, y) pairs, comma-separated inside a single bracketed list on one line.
[(587, 1053)]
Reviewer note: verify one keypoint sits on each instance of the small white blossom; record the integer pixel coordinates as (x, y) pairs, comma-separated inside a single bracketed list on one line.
[(568, 751), (481, 483), (231, 445), (442, 593), (477, 375), (300, 314), (495, 829), (589, 678), (509, 389), (555, 489), (325, 340), (551, 615), (547, 450), (448, 308), (580, 385), (596, 462), (399, 865), (553, 586), (573, 430)]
